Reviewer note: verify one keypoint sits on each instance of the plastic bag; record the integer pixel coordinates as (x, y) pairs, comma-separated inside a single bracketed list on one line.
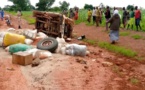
[(75, 49), (18, 47), (11, 38)]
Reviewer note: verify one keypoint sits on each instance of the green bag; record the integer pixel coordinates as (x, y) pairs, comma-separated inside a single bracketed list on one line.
[(18, 47)]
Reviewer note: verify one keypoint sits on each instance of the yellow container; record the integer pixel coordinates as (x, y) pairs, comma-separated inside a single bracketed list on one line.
[(11, 38)]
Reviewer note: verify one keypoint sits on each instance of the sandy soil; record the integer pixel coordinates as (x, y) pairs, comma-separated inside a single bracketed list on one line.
[(101, 70)]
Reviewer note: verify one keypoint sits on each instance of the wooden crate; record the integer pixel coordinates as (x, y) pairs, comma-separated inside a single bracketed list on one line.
[(22, 58)]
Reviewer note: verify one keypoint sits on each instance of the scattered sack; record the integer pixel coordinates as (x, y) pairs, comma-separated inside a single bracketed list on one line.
[(61, 43), (10, 29), (45, 54), (2, 34), (18, 47), (32, 51), (42, 54), (31, 34), (7, 49), (42, 35), (63, 50), (60, 40), (76, 50), (1, 41), (11, 38), (28, 41), (20, 32)]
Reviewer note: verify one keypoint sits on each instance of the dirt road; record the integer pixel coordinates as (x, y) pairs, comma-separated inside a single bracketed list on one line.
[(101, 70)]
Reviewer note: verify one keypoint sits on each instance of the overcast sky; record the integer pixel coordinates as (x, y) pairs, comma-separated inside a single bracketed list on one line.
[(81, 3)]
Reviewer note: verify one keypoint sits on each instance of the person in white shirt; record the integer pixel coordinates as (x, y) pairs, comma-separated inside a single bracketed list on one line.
[(94, 15), (19, 14)]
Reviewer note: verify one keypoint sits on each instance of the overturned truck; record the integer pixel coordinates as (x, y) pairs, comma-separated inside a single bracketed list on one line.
[(53, 24)]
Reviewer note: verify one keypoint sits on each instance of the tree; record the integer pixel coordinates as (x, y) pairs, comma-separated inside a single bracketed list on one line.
[(21, 4), (64, 5), (129, 7), (87, 6), (55, 9), (44, 5)]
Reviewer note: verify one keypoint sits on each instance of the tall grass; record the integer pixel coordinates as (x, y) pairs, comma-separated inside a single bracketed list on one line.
[(83, 18)]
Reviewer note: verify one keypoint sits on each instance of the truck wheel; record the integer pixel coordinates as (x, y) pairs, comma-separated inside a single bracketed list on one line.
[(49, 44)]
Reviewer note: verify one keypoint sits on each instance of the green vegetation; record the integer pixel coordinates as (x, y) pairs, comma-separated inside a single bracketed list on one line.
[(31, 19), (91, 42), (117, 49), (124, 33), (137, 36), (83, 18), (134, 80), (27, 15)]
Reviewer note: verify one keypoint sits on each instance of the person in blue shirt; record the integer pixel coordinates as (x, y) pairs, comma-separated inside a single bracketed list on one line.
[(2, 14)]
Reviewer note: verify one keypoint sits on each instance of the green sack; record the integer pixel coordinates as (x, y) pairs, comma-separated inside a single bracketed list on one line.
[(18, 47)]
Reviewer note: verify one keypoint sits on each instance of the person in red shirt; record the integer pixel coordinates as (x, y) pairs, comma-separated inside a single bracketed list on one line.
[(137, 18)]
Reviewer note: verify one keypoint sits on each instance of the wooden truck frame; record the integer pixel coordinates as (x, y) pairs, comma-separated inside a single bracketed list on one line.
[(53, 24)]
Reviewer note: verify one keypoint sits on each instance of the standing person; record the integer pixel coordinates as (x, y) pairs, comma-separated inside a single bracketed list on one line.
[(101, 14), (64, 12), (114, 27), (2, 14), (76, 14), (19, 14), (98, 16), (137, 18), (94, 15), (124, 17), (8, 20), (71, 13), (89, 15), (112, 12), (107, 16), (131, 20)]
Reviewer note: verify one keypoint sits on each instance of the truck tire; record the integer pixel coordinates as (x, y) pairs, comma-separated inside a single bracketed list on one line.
[(49, 44)]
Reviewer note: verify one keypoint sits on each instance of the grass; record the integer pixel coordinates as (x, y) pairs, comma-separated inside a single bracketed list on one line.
[(27, 15), (124, 33), (117, 49), (91, 42), (137, 36), (83, 18), (134, 80)]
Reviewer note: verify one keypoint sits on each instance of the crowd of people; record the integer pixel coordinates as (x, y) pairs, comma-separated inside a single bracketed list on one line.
[(73, 13), (113, 19)]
